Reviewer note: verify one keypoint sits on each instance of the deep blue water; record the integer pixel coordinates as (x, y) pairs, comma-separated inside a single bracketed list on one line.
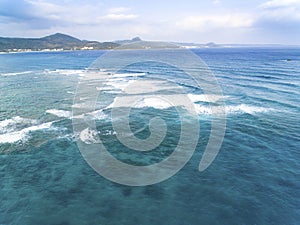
[(253, 180)]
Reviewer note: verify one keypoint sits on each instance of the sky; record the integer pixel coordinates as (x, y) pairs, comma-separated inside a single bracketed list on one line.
[(199, 21)]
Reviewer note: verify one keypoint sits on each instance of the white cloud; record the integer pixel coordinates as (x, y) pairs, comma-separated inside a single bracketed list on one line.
[(213, 20), (71, 13), (217, 21), (281, 10), (41, 7), (118, 10), (279, 3), (118, 14), (120, 17), (79, 14), (282, 14), (85, 20)]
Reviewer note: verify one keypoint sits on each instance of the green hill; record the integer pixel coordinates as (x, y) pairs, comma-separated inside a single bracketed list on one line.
[(55, 41)]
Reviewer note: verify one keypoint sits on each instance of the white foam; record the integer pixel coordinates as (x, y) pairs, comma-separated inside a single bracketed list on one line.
[(204, 98), (237, 109), (146, 102), (94, 115), (9, 124), (119, 83), (98, 115), (156, 103), (22, 134), (159, 103), (103, 88), (67, 72), (15, 74), (243, 108), (109, 133), (89, 136), (60, 113)]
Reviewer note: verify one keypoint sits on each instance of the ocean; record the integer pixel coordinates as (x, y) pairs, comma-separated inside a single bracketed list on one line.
[(45, 173)]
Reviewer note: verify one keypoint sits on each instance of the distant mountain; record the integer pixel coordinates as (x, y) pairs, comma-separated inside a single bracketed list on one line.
[(124, 42), (53, 42), (197, 45), (60, 41)]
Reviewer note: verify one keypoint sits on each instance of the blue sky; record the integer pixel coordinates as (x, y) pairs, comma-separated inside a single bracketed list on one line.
[(201, 21)]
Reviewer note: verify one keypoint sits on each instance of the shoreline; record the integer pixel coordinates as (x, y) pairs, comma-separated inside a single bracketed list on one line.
[(182, 47), (38, 51)]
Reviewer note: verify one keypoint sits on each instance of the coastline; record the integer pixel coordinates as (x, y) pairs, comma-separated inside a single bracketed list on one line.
[(221, 46)]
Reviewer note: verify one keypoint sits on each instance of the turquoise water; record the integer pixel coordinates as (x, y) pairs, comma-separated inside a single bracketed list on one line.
[(253, 180)]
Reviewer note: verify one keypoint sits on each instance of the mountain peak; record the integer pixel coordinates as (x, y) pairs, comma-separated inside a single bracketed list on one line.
[(124, 42), (61, 37), (136, 39), (54, 41)]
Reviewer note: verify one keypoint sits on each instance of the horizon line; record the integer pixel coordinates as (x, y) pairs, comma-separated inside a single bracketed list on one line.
[(174, 42)]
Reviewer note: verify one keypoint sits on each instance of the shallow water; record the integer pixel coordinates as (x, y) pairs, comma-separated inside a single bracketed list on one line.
[(253, 180)]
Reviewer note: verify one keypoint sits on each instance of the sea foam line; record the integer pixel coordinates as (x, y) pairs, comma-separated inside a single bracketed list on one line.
[(9, 124), (22, 134), (60, 113), (97, 114), (16, 73), (159, 103)]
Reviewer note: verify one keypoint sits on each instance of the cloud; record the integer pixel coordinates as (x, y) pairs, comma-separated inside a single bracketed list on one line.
[(31, 14), (120, 17), (285, 14), (281, 12), (40, 14), (119, 14), (279, 4), (192, 21), (119, 10), (8, 9), (232, 20)]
